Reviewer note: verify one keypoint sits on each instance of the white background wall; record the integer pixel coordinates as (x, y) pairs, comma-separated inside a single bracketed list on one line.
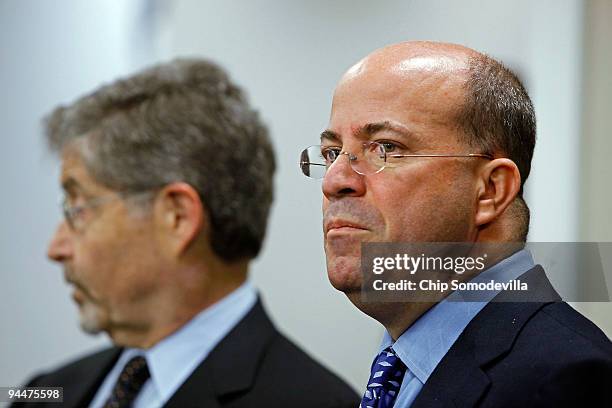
[(595, 142), (288, 55)]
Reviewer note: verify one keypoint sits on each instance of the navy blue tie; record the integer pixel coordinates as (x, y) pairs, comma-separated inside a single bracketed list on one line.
[(385, 380), (133, 376)]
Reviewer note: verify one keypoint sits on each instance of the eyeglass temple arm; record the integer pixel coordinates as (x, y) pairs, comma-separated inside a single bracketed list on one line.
[(487, 156), (311, 163)]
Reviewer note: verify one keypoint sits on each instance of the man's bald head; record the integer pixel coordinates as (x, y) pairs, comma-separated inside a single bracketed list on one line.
[(489, 102), (481, 100), (438, 72), (409, 56)]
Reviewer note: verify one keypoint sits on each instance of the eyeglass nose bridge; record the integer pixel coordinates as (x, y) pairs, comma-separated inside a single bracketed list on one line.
[(352, 159)]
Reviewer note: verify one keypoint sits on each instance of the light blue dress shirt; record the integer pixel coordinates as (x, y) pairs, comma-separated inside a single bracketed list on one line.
[(172, 360), (423, 345)]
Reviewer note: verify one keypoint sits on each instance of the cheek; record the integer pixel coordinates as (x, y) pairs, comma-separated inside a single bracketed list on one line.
[(423, 206), (324, 205), (136, 266), (97, 266), (398, 200), (117, 268)]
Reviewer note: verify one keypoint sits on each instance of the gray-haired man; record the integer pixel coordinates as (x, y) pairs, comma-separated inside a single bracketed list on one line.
[(168, 185)]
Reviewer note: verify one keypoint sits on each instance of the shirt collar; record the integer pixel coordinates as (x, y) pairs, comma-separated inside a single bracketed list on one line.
[(173, 359), (423, 345)]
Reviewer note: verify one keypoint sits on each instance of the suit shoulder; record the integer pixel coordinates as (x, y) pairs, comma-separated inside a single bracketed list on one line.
[(574, 330), (557, 354), (76, 368), (555, 337), (287, 363), (579, 360)]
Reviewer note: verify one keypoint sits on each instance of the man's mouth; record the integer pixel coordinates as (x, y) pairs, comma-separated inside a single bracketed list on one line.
[(79, 293), (78, 296), (341, 226)]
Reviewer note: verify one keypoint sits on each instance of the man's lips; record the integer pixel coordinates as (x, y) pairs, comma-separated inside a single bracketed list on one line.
[(79, 293), (338, 225), (78, 296)]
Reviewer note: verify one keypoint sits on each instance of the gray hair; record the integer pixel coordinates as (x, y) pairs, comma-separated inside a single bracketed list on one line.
[(183, 121)]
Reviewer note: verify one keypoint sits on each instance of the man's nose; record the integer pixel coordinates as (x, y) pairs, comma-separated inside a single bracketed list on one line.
[(60, 246), (341, 180)]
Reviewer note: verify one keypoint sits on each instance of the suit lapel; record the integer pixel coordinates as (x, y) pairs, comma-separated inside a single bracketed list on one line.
[(459, 379), (456, 382), (91, 373), (231, 366)]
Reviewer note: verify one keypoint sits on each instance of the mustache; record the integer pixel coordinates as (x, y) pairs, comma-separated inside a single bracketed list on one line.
[(69, 278), (353, 211)]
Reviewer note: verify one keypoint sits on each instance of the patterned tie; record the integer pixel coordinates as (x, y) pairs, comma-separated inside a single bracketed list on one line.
[(385, 379), (132, 378)]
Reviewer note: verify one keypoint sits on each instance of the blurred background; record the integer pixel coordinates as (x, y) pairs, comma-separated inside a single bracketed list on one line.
[(288, 55)]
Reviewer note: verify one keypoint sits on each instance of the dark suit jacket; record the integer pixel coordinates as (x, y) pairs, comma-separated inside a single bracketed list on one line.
[(253, 366), (534, 351)]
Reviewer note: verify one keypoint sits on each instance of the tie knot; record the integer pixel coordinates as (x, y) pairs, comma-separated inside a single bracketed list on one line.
[(387, 368), (385, 380)]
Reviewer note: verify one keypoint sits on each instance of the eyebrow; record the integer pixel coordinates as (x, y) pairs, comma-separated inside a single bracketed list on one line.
[(370, 129), (330, 135)]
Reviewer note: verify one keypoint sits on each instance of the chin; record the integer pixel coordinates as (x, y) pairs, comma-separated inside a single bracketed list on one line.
[(344, 275), (90, 319)]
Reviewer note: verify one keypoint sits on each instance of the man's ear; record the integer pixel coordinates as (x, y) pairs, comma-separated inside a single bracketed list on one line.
[(499, 183), (179, 216)]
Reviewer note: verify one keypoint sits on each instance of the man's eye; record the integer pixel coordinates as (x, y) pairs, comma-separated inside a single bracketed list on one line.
[(330, 154), (389, 147)]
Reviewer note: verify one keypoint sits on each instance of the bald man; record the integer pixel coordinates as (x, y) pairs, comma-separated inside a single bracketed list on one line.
[(438, 140)]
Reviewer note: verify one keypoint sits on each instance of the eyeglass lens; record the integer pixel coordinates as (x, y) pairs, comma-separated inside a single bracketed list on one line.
[(315, 160)]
